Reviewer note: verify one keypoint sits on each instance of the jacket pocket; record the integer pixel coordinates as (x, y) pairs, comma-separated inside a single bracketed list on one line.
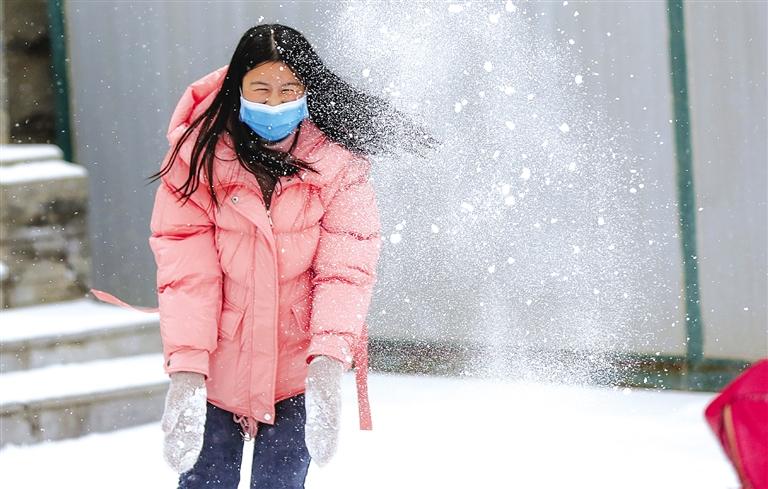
[(301, 313), (230, 320)]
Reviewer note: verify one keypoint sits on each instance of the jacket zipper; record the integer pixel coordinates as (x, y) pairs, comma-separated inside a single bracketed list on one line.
[(277, 296), (277, 299), (274, 325)]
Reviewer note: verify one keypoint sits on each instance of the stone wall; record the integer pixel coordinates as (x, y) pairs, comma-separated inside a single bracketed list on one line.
[(4, 125), (27, 111), (44, 250)]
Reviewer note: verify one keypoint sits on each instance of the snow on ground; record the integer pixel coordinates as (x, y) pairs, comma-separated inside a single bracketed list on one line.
[(431, 432)]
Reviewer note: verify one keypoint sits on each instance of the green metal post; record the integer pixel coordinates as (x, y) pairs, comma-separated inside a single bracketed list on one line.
[(60, 79), (686, 195)]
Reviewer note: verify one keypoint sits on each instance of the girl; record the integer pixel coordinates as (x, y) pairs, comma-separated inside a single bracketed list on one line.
[(266, 235)]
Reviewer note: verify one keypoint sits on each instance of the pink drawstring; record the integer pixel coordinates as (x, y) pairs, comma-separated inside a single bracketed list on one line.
[(111, 299), (248, 425), (361, 378)]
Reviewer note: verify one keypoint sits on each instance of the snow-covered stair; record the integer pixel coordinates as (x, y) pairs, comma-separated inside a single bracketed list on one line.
[(73, 331), (72, 400), (71, 368)]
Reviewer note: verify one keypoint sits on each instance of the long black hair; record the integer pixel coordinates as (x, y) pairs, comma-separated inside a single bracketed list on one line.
[(363, 123)]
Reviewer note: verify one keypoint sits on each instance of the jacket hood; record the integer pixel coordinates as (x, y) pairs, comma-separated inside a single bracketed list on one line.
[(196, 98)]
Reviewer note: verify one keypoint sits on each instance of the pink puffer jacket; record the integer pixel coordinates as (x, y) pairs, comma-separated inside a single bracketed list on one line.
[(247, 296)]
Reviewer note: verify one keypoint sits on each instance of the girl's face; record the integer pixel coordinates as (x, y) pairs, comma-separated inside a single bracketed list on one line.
[(271, 83)]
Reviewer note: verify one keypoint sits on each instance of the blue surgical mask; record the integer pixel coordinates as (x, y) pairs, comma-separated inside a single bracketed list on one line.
[(273, 123)]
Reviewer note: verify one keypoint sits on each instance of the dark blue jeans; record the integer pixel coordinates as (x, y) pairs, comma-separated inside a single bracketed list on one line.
[(280, 456)]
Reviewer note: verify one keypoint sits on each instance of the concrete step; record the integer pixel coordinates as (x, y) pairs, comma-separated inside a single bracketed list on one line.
[(74, 331), (72, 400), (13, 154)]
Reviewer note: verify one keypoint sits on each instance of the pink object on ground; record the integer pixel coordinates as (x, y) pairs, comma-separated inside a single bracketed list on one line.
[(739, 418)]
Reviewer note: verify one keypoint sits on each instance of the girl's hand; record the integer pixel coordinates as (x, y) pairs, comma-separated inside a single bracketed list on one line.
[(184, 420), (323, 406)]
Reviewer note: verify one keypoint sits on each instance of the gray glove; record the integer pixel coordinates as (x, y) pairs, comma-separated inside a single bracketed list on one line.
[(184, 420), (323, 405)]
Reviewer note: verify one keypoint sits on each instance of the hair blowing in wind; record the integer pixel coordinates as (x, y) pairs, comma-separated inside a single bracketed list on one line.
[(363, 123)]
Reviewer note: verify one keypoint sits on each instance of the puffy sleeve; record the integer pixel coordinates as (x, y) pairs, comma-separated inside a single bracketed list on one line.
[(345, 264), (189, 277)]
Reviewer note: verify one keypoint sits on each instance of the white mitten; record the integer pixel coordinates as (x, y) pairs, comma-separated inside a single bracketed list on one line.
[(184, 420), (323, 406)]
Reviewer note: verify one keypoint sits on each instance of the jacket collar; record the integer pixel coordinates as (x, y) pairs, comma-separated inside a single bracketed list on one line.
[(311, 140)]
